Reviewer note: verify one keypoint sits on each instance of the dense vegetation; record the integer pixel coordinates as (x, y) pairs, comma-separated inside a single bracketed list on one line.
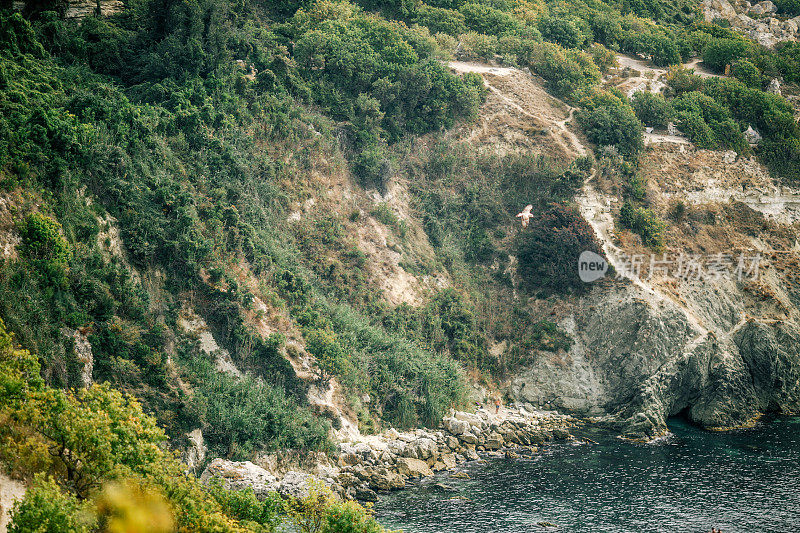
[(152, 164), (97, 463)]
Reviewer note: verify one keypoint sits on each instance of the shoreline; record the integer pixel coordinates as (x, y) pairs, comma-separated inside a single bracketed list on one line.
[(365, 465)]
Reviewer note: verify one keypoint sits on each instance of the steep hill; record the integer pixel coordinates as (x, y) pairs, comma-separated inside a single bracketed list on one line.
[(281, 225)]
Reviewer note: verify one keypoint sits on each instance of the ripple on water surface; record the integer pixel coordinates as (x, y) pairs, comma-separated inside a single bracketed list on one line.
[(744, 481)]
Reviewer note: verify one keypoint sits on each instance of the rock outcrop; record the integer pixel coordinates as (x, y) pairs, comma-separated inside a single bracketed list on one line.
[(765, 29), (82, 350), (241, 475), (640, 358), (389, 460), (195, 453)]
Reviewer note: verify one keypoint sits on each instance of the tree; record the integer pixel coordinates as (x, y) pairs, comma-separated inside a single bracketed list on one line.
[(652, 109), (613, 125), (721, 52), (562, 31), (95, 434), (548, 250)]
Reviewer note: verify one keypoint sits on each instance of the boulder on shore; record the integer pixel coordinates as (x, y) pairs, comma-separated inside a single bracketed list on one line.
[(409, 467), (240, 475)]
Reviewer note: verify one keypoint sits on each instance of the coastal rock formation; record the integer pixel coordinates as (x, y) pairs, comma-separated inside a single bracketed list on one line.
[(766, 30), (389, 460), (722, 349), (195, 454), (241, 475)]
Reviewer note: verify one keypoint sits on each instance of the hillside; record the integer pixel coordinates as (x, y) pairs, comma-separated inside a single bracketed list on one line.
[(278, 227)]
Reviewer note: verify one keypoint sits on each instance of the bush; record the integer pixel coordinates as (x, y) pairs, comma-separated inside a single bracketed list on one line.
[(566, 71), (328, 351), (439, 20), (43, 246), (487, 20), (645, 222), (708, 123), (46, 509), (244, 505), (747, 73), (721, 52), (240, 416), (788, 7), (322, 512), (652, 109), (613, 125), (661, 49), (547, 336), (694, 127), (681, 80), (477, 46), (372, 167), (563, 31), (548, 250)]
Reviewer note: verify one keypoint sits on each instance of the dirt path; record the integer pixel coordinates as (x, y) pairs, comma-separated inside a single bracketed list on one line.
[(657, 138), (517, 95), (11, 490), (652, 78), (479, 68)]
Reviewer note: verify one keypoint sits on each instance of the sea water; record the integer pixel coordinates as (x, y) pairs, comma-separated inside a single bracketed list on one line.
[(740, 481)]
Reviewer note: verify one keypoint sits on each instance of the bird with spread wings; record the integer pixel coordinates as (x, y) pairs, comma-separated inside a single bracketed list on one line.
[(525, 215)]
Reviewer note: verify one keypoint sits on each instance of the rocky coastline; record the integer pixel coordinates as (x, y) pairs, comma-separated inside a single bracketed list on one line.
[(363, 466)]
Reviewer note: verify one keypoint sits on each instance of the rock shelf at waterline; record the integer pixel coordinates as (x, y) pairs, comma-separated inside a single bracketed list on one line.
[(387, 461)]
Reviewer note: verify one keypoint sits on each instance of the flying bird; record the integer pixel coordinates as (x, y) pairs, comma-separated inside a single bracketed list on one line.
[(525, 215)]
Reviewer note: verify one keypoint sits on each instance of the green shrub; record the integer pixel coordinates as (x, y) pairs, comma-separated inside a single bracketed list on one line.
[(681, 80), (384, 214), (244, 505), (721, 52), (478, 46), (43, 246), (563, 31), (487, 20), (746, 72), (613, 125), (322, 512), (645, 223), (652, 109), (324, 345), (788, 7), (547, 336), (548, 250), (372, 167), (661, 49), (46, 509), (240, 416), (566, 71), (440, 20)]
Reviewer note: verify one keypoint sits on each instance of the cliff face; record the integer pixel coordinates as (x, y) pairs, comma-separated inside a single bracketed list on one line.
[(720, 346), (639, 360)]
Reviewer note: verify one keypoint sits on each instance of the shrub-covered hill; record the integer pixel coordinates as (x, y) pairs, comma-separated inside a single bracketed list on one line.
[(184, 168)]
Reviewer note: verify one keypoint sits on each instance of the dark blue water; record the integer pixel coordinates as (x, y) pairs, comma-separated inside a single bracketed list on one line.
[(743, 481)]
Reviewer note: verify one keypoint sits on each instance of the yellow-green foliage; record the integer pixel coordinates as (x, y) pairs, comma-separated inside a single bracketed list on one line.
[(44, 246), (645, 222), (322, 512), (97, 459)]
